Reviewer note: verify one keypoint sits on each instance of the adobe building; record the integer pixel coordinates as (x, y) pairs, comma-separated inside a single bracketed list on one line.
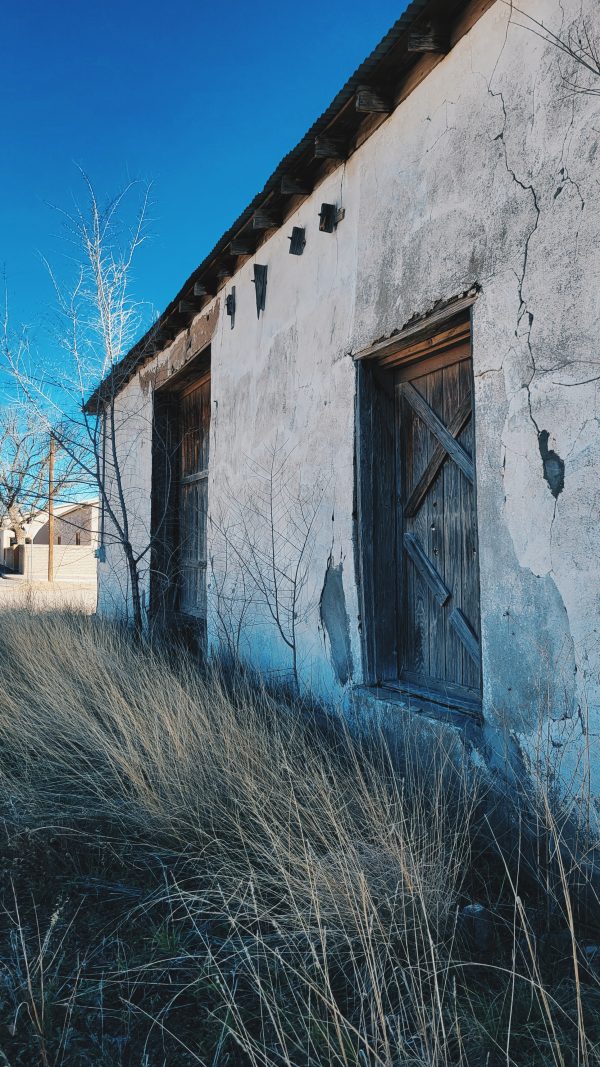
[(362, 442), (75, 544)]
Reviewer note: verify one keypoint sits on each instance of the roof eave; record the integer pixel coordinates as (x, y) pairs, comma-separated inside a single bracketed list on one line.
[(300, 162)]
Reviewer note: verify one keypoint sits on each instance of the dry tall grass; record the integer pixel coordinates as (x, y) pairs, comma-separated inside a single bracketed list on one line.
[(279, 894)]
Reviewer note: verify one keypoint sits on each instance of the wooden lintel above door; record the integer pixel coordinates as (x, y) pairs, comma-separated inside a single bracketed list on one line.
[(443, 329)]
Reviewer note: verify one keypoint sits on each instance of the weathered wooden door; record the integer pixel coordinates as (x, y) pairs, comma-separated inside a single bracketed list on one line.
[(438, 594), (194, 422)]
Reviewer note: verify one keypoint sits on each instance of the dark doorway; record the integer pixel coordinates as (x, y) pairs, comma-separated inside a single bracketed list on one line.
[(417, 519), (181, 434), (194, 422)]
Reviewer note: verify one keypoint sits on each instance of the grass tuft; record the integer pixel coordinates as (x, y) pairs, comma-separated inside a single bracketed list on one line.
[(199, 870)]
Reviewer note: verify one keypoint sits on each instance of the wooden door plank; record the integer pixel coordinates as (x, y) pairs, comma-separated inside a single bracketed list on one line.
[(202, 503), (439, 430), (400, 582), (193, 485), (424, 348), (426, 569), (189, 479), (433, 507), (443, 693), (470, 562), (455, 427), (164, 505), (432, 325), (416, 366), (439, 616), (376, 497), (365, 448), (453, 530), (384, 528), (469, 639), (414, 444)]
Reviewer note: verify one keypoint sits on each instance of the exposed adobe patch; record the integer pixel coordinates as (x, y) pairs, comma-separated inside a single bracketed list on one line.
[(554, 466), (336, 623)]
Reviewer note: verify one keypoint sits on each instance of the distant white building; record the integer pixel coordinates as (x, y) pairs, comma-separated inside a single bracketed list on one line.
[(6, 537), (75, 544)]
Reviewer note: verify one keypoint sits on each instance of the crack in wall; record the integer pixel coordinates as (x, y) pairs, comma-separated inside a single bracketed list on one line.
[(528, 188), (552, 464)]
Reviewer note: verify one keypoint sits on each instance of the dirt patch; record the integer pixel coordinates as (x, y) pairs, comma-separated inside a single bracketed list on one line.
[(17, 592)]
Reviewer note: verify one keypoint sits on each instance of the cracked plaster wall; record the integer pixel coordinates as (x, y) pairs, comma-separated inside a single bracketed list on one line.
[(486, 174)]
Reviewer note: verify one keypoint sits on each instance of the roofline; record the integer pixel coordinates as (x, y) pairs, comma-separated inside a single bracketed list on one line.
[(66, 508), (382, 67), (93, 502)]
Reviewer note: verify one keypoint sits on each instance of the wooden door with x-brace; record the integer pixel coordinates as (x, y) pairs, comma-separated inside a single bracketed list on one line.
[(438, 589)]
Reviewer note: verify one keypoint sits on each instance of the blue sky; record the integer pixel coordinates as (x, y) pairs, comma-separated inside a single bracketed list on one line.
[(200, 99)]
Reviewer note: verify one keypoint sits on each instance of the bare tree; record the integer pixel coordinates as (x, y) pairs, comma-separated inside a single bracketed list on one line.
[(269, 542), (98, 322), (24, 469), (578, 44), (230, 590)]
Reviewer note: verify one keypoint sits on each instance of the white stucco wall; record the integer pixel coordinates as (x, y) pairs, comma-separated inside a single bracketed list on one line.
[(133, 445), (72, 563), (486, 175)]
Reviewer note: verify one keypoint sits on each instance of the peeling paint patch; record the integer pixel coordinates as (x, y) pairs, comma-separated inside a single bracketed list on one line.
[(336, 623), (554, 466)]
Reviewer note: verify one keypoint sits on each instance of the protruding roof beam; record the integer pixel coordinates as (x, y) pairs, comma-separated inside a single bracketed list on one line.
[(290, 186), (167, 332), (241, 246), (369, 100), (434, 37), (261, 220), (327, 147), (153, 345)]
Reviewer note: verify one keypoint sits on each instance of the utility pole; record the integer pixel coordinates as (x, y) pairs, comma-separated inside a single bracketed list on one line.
[(51, 455)]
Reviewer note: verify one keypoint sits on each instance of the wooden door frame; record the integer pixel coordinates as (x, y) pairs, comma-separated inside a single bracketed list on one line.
[(190, 617), (374, 379), (466, 697), (164, 554)]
